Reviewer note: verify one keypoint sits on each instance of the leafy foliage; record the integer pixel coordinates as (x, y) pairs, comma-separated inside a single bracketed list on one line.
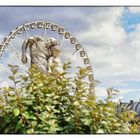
[(42, 104)]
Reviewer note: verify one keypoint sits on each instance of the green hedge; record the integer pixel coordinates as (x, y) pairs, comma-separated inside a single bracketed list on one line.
[(41, 104)]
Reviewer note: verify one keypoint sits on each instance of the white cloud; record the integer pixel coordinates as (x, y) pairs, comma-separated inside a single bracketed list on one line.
[(100, 91), (117, 99), (134, 9), (114, 53), (4, 84), (105, 28), (1, 37)]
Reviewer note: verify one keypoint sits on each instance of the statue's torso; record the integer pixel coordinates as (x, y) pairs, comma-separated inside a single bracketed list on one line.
[(56, 62), (39, 52)]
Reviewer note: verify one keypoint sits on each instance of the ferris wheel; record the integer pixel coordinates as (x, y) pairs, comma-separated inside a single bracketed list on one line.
[(72, 50)]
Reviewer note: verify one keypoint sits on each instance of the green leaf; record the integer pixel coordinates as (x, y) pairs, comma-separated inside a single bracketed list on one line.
[(76, 103), (10, 66), (30, 131), (17, 81), (14, 71), (48, 108), (34, 123), (11, 78), (18, 126), (29, 115), (26, 115), (87, 121), (7, 119), (100, 131), (16, 112), (32, 117)]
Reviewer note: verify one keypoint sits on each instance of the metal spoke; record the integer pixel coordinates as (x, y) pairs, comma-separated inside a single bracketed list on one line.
[(44, 34), (14, 49), (70, 58), (15, 53), (61, 41), (26, 33)]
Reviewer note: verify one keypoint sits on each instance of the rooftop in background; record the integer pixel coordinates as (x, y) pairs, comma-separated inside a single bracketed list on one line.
[(134, 106)]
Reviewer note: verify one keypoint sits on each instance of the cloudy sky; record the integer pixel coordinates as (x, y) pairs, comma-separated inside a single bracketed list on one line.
[(110, 36)]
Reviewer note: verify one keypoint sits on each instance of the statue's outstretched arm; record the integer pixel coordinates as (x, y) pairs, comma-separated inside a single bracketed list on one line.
[(24, 48)]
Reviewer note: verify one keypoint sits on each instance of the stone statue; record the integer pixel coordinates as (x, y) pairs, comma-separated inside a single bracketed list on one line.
[(54, 61), (44, 54), (39, 51)]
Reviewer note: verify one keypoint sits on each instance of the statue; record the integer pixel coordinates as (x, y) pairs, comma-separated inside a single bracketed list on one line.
[(44, 54), (54, 61)]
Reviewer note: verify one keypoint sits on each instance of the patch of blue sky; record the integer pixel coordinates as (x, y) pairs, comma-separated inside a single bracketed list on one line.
[(131, 96), (125, 97), (130, 20), (128, 84)]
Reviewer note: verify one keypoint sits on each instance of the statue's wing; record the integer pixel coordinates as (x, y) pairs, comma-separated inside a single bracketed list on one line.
[(27, 43), (24, 46)]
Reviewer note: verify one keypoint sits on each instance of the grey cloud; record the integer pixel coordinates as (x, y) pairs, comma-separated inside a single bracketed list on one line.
[(73, 18)]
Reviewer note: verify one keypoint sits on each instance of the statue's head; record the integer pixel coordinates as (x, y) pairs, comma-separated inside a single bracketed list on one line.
[(51, 42), (55, 51)]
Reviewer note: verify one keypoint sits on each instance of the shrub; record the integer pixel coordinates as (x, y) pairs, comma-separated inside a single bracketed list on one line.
[(42, 104)]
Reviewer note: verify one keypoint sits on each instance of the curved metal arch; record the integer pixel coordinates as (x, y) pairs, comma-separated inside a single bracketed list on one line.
[(24, 28)]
